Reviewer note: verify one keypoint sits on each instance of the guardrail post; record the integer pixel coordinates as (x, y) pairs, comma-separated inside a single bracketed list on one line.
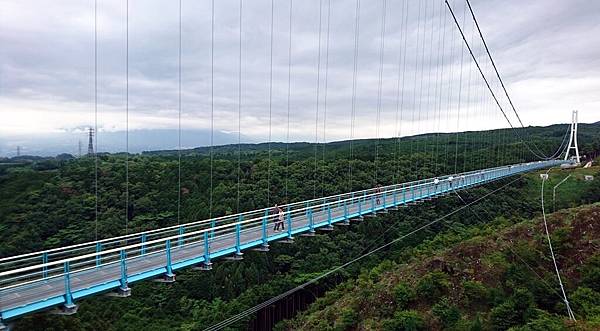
[(207, 263), (169, 275), (346, 211), (265, 242), (70, 307), (143, 247), (213, 223), (403, 195), (395, 197), (384, 198), (124, 289), (289, 223), (180, 238), (45, 267), (329, 214), (373, 204), (311, 225), (238, 230), (360, 203), (98, 258)]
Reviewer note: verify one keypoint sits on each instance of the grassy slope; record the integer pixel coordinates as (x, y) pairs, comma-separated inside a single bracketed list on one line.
[(479, 269)]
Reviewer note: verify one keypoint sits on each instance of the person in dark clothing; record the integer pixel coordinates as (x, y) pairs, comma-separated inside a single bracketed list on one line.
[(377, 194)]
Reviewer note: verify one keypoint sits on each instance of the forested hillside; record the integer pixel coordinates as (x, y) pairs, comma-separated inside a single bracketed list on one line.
[(492, 276), (50, 202)]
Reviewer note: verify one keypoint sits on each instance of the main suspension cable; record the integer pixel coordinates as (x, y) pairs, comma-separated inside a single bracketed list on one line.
[(496, 70), (485, 78), (562, 288)]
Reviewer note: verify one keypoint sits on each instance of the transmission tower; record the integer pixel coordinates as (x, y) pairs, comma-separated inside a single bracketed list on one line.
[(573, 138), (91, 142), (79, 148), (18, 150)]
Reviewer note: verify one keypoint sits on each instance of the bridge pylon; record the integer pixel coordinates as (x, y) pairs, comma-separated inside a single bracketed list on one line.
[(573, 138)]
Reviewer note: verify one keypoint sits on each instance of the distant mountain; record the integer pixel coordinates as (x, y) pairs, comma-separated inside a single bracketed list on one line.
[(139, 141)]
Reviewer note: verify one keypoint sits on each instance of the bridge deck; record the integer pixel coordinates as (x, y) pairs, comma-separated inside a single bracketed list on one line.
[(34, 289)]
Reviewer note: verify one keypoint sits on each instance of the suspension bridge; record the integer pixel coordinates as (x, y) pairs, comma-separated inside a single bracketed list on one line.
[(61, 276)]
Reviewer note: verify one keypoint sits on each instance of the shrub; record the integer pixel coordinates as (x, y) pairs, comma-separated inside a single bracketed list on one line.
[(405, 320), (590, 273), (433, 285), (586, 301), (403, 294), (348, 319), (446, 312), (543, 322), (475, 292), (514, 311)]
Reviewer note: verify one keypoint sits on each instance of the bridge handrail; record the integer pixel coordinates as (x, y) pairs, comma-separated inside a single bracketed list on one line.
[(224, 227), (91, 244), (230, 225)]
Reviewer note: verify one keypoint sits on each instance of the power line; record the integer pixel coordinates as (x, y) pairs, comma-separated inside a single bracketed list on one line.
[(272, 300)]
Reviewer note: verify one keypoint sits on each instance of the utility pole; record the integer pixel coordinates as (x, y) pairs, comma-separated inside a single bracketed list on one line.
[(573, 138), (91, 142)]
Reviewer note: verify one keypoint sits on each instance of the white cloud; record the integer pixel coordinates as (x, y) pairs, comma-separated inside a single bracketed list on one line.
[(546, 52)]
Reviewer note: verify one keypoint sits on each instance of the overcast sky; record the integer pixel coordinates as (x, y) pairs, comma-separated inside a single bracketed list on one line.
[(547, 51)]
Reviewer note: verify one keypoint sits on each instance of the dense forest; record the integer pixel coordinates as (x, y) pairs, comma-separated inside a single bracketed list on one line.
[(49, 202)]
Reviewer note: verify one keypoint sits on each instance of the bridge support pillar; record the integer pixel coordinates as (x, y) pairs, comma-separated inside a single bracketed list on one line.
[(264, 247), (238, 250), (69, 307), (206, 265), (169, 276), (124, 290)]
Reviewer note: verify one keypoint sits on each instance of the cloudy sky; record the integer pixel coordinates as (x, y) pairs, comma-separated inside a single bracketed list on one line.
[(547, 51)]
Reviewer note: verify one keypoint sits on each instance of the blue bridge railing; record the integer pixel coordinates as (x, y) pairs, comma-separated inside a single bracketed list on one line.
[(60, 276)]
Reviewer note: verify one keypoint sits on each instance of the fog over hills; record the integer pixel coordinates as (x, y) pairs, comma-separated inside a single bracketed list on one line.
[(139, 141)]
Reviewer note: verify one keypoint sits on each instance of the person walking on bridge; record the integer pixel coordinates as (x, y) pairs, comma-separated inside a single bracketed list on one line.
[(377, 194), (280, 218)]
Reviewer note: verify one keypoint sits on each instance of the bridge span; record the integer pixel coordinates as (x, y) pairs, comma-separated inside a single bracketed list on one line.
[(61, 276)]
